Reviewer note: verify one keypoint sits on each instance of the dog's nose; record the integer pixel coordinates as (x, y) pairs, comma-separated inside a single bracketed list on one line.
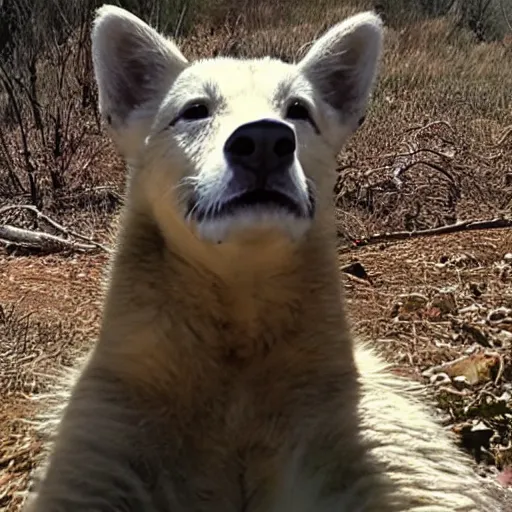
[(261, 147)]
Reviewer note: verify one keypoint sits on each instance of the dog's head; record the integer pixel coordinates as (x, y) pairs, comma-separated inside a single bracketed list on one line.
[(225, 145)]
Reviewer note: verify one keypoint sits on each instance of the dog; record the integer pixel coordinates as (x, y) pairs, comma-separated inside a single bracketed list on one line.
[(225, 377)]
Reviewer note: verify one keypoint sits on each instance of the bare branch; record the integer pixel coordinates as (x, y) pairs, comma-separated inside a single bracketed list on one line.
[(54, 224), (432, 165), (468, 225), (11, 235)]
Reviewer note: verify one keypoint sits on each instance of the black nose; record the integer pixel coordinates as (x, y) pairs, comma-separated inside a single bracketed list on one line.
[(261, 147)]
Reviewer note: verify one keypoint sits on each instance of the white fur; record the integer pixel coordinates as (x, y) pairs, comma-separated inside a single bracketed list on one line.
[(217, 230)]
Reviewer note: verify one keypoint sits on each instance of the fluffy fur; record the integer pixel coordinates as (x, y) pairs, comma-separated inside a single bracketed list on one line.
[(225, 377)]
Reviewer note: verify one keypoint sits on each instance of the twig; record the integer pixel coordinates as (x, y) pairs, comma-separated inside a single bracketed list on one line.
[(357, 280), (39, 240), (416, 152), (54, 224), (369, 172), (428, 125), (504, 136), (505, 17), (501, 368), (432, 165), (17, 454), (468, 225)]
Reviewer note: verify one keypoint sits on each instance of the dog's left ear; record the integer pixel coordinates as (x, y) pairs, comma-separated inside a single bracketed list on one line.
[(342, 65)]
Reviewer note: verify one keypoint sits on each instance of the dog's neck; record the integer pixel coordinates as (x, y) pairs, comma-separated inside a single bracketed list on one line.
[(235, 300)]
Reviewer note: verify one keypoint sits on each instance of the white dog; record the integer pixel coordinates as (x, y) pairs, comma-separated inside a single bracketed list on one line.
[(225, 377)]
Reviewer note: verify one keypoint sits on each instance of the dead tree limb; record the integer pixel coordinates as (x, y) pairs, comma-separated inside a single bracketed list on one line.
[(54, 224), (468, 225), (44, 242)]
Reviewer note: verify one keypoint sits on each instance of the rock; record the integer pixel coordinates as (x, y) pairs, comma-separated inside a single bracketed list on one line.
[(475, 368), (476, 334), (505, 397), (412, 302), (477, 289), (460, 382), (356, 269), (475, 437), (440, 378), (445, 302), (504, 338), (499, 314)]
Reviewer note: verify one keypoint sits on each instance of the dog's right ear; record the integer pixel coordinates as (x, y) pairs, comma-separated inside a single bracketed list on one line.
[(134, 67)]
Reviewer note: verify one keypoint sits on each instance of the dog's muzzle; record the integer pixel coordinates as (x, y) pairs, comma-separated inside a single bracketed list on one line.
[(260, 158)]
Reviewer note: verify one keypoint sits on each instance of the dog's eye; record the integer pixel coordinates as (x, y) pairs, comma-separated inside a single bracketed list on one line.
[(298, 111), (195, 112)]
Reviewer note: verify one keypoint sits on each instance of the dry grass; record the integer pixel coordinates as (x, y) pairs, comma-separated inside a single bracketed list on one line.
[(49, 314), (431, 301), (436, 148), (429, 73)]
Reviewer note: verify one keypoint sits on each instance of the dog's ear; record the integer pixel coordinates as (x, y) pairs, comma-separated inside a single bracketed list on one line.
[(134, 67), (342, 65)]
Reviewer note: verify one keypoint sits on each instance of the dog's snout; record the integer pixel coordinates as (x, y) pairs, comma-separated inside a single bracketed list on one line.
[(261, 147)]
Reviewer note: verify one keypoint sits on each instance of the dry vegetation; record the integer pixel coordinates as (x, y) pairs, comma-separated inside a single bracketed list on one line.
[(436, 150)]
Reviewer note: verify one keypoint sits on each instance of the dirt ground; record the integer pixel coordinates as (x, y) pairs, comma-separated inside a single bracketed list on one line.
[(423, 302)]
